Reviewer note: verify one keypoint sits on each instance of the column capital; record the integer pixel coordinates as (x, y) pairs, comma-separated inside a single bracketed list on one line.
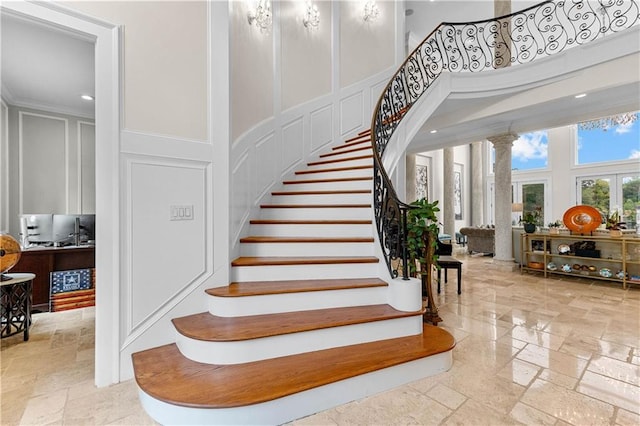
[(505, 139)]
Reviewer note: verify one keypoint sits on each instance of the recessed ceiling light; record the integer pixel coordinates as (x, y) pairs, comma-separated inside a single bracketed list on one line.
[(581, 95), (433, 131), (87, 97)]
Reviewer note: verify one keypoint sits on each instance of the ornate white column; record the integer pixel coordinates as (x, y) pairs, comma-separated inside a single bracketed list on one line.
[(448, 205), (503, 245), (477, 185)]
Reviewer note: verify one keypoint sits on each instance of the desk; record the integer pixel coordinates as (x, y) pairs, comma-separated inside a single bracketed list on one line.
[(42, 261), (15, 310), (449, 262)]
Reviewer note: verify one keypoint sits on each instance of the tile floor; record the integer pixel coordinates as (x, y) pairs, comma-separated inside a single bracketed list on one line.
[(529, 351)]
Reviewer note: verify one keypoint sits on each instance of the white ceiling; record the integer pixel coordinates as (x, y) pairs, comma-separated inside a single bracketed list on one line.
[(45, 67)]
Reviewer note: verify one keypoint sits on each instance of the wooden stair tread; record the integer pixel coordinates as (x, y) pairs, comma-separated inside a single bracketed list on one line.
[(310, 222), (340, 160), (334, 169), (332, 180), (270, 239), (328, 192), (255, 288), (207, 327), (349, 147), (315, 206), (165, 374), (361, 135), (291, 260)]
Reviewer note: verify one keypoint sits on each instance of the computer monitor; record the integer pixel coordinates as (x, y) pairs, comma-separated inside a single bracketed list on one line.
[(64, 228), (87, 228), (38, 228)]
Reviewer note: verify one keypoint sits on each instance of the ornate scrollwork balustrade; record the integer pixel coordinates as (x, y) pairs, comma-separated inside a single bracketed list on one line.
[(539, 31)]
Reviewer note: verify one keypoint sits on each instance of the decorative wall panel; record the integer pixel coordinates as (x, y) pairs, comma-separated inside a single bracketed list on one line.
[(321, 127), (241, 195), (165, 255), (292, 143), (43, 143), (265, 164), (351, 113)]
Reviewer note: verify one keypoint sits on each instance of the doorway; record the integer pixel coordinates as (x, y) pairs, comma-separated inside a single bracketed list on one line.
[(107, 101)]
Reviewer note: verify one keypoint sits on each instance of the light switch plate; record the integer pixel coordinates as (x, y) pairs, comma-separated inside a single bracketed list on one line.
[(181, 212)]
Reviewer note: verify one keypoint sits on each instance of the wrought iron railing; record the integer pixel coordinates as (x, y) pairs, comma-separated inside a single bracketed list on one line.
[(539, 31)]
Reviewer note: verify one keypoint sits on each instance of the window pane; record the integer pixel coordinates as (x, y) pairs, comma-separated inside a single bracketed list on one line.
[(597, 193), (530, 151), (631, 199), (533, 198), (608, 143)]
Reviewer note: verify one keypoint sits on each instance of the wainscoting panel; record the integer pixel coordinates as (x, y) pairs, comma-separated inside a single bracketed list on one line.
[(87, 161), (166, 239), (241, 197), (44, 168), (351, 113), (292, 143), (321, 127), (266, 161)]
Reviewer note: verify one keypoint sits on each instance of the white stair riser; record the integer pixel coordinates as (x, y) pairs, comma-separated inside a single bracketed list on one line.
[(306, 249), (335, 163), (241, 351), (302, 404), (323, 199), (301, 272), (335, 174), (328, 186), (325, 213), (294, 302), (306, 230)]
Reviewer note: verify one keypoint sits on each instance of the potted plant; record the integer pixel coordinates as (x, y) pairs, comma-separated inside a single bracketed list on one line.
[(530, 220), (554, 227), (613, 223), (422, 237)]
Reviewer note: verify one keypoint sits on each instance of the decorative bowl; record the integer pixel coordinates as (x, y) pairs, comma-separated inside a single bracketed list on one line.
[(582, 219), (536, 265), (576, 266), (564, 249), (566, 268), (606, 273), (621, 275), (552, 266), (592, 268)]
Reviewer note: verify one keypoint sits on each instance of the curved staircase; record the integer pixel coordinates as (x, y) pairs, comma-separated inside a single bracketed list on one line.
[(306, 323)]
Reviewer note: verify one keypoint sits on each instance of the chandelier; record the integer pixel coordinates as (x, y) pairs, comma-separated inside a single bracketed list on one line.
[(606, 123)]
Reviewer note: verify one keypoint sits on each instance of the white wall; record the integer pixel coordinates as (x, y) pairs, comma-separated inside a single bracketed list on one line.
[(51, 167), (327, 111), (366, 47), (4, 167), (165, 64)]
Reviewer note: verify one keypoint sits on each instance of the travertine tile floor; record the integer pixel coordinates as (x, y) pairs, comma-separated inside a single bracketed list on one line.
[(529, 351)]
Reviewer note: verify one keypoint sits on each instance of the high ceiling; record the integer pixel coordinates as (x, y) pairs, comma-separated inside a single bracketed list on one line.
[(46, 68)]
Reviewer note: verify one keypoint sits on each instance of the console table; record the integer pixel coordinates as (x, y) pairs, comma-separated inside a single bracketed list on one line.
[(44, 260), (15, 309)]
